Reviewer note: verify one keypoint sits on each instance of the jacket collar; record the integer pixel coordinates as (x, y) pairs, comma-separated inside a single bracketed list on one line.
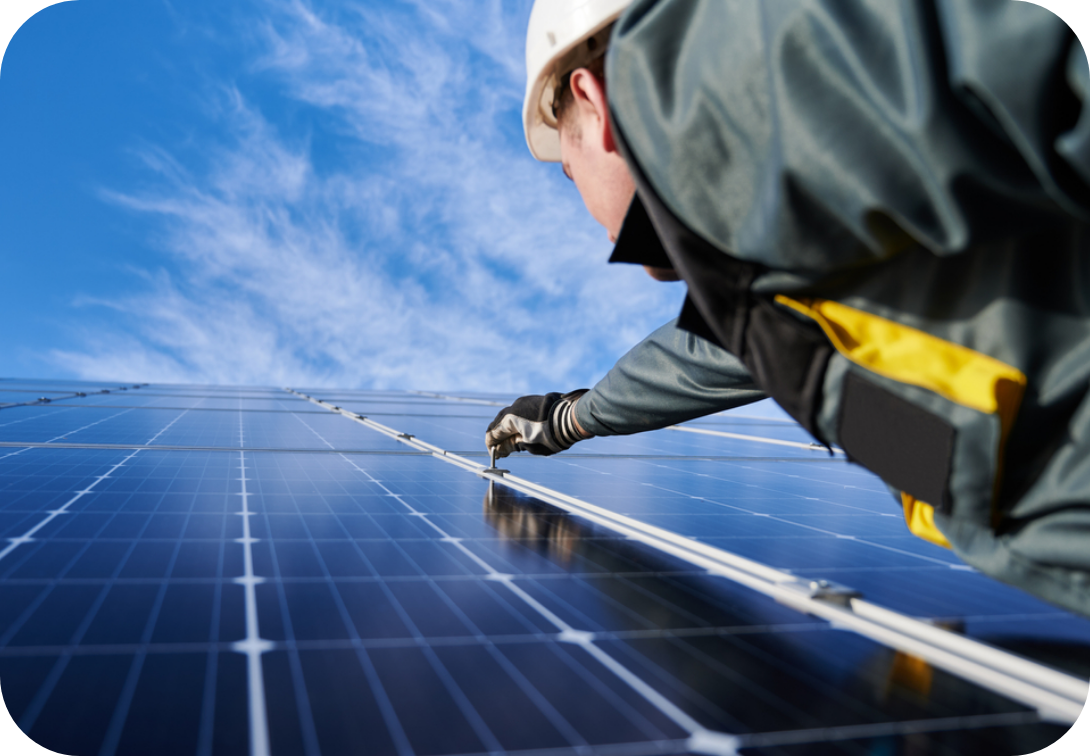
[(638, 243)]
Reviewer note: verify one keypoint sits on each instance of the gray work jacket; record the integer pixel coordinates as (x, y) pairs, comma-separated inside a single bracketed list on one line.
[(883, 211)]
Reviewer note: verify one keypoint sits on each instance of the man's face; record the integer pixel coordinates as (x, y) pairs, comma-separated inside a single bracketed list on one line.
[(602, 179), (605, 183), (590, 157)]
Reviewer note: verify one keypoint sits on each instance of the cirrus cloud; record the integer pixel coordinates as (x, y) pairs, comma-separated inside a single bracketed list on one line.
[(402, 237)]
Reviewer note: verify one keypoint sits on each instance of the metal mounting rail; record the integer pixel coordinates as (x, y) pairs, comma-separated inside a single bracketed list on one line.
[(464, 399), (50, 399), (757, 439), (1056, 696)]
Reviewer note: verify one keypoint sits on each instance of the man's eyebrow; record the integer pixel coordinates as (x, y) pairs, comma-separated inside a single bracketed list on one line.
[(564, 167)]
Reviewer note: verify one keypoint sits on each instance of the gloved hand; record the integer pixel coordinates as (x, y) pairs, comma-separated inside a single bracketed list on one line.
[(537, 424)]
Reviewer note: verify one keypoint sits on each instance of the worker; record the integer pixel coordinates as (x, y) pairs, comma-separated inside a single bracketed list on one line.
[(881, 211), (677, 373)]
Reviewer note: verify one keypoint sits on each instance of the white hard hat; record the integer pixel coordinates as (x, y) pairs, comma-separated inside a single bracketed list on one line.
[(557, 42)]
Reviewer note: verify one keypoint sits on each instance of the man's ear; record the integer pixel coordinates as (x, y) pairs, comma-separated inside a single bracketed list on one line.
[(591, 103)]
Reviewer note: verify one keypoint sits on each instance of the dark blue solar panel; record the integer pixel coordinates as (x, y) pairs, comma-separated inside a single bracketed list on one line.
[(398, 603), (136, 425)]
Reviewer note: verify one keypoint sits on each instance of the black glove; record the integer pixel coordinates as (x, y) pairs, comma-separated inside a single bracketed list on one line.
[(537, 424)]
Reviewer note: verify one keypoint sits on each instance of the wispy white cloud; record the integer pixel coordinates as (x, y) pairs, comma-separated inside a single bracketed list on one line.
[(434, 253)]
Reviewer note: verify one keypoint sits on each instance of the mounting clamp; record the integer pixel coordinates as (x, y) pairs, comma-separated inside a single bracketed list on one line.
[(825, 590)]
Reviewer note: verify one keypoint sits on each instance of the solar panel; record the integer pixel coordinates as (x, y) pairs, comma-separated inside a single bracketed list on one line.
[(208, 570)]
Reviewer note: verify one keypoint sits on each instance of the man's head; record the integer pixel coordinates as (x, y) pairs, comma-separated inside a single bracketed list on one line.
[(589, 153), (588, 150), (565, 114)]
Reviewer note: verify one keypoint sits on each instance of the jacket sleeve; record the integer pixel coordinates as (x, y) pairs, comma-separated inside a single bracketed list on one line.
[(669, 377)]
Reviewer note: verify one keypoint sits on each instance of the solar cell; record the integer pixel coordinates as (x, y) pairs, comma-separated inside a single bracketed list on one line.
[(276, 577)]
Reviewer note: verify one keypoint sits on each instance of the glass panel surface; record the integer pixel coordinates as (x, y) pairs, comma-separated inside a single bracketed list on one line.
[(399, 603)]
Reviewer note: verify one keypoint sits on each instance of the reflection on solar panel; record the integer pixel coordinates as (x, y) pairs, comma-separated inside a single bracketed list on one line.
[(207, 570)]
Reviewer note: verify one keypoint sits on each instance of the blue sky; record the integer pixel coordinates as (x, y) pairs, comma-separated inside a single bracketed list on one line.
[(285, 192)]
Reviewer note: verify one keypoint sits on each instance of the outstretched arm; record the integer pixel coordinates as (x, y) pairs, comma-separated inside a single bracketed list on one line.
[(669, 377)]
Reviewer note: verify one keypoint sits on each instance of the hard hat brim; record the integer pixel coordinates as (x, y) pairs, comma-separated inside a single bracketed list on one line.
[(573, 27), (542, 138)]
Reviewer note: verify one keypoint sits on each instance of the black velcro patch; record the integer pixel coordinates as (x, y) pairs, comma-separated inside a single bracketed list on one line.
[(908, 447)]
